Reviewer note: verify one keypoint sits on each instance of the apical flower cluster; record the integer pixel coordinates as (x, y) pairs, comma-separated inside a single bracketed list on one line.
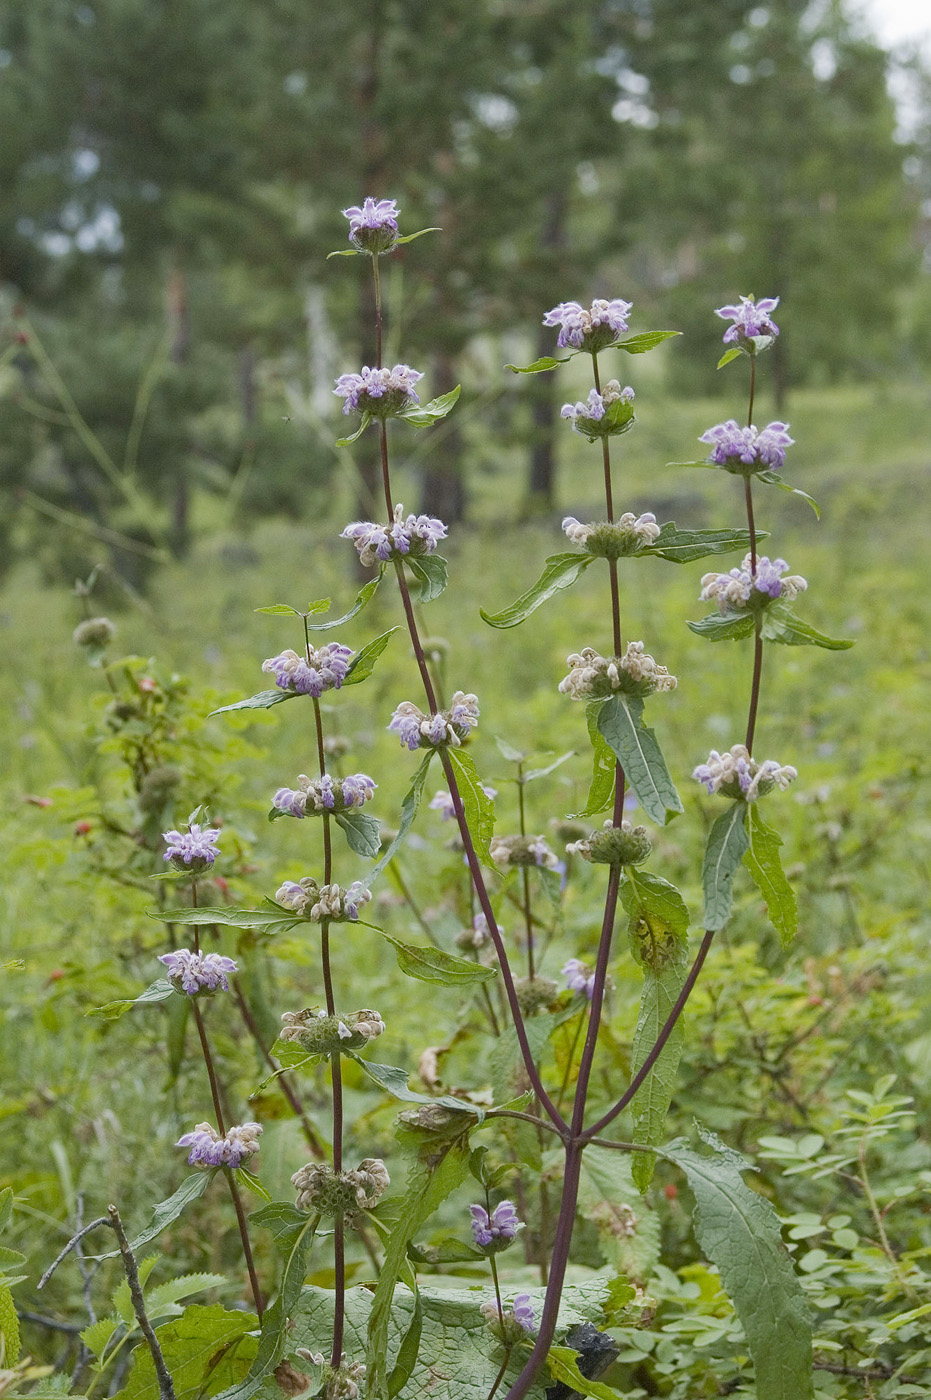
[(380, 392), (327, 1192), (592, 330), (751, 319), (230, 1149), (196, 973), (614, 845), (320, 1033), (321, 668), (737, 447), (592, 417), (373, 224), (617, 539), (193, 850), (741, 587), (523, 850)]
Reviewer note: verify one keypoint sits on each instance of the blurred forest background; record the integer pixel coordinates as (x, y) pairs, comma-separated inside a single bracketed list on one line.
[(171, 177)]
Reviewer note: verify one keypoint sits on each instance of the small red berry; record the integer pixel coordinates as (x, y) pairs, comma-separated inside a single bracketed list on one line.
[(82, 828), (670, 1191)]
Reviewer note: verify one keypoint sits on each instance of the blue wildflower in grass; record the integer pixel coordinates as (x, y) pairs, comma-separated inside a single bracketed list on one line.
[(212, 1149), (381, 392), (738, 588), (373, 225), (592, 418), (751, 319), (324, 794), (193, 850), (736, 774), (595, 329), (579, 977), (197, 974), (734, 446), (418, 730), (322, 668), (499, 1228), (404, 534)]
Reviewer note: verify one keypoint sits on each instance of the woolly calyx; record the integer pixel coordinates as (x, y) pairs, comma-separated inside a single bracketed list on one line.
[(594, 329), (157, 787), (320, 1034), (735, 774), (327, 1192), (477, 936), (309, 900), (404, 534), (614, 845), (320, 669), (613, 540), (197, 974), (313, 796), (592, 676), (383, 393), (212, 1149), (496, 1231), (602, 415), (742, 588), (753, 329), (373, 224), (417, 730), (523, 850), (95, 632), (193, 850), (345, 1382), (535, 993), (746, 450)]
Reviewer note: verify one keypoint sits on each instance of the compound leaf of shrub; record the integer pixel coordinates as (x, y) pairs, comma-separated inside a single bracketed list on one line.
[(197, 1348), (781, 625), (739, 1232), (429, 964), (365, 594), (762, 860), (727, 843), (362, 832), (620, 721), (723, 627), (561, 571), (682, 546), (362, 665), (431, 572), (479, 807)]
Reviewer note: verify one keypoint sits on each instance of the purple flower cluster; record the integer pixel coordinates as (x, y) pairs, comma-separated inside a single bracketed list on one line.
[(417, 730), (588, 417), (323, 668), (590, 330), (212, 1149), (324, 794), (405, 534), (373, 225), (502, 1224), (192, 850), (736, 589), (579, 978), (382, 392), (736, 774), (751, 318), (730, 444), (197, 973), (442, 802)]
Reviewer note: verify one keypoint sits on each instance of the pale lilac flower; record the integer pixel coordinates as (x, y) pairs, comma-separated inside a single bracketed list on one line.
[(579, 978), (734, 590), (442, 802), (594, 329), (354, 898), (292, 896), (357, 789), (766, 448), (323, 668), (502, 1224), (382, 392), (192, 850), (210, 1149), (195, 973), (411, 534), (587, 418), (591, 674), (416, 729), (406, 722), (523, 1312), (638, 531), (751, 318), (373, 225), (324, 794), (464, 712), (290, 800), (523, 850), (736, 774)]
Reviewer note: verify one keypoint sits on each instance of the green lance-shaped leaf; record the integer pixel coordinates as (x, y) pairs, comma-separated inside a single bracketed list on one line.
[(394, 1081), (563, 1365), (762, 860), (409, 237), (561, 572), (113, 1010), (646, 340), (541, 366), (409, 809), (429, 964), (9, 1327), (297, 1238), (362, 832), (347, 441), (363, 664), (683, 546), (781, 625), (772, 479), (659, 921), (408, 1351), (273, 918), (727, 842), (365, 594), (479, 807), (422, 415), (729, 356), (724, 627), (634, 744), (199, 1350), (739, 1232), (604, 771), (431, 572), (167, 1212), (264, 700), (435, 1174)]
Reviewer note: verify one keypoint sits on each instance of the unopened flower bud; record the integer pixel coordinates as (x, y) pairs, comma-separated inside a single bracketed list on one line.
[(523, 850), (157, 787), (95, 632), (535, 993)]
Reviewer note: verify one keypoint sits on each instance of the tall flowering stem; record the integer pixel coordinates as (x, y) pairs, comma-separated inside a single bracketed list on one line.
[(758, 635)]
